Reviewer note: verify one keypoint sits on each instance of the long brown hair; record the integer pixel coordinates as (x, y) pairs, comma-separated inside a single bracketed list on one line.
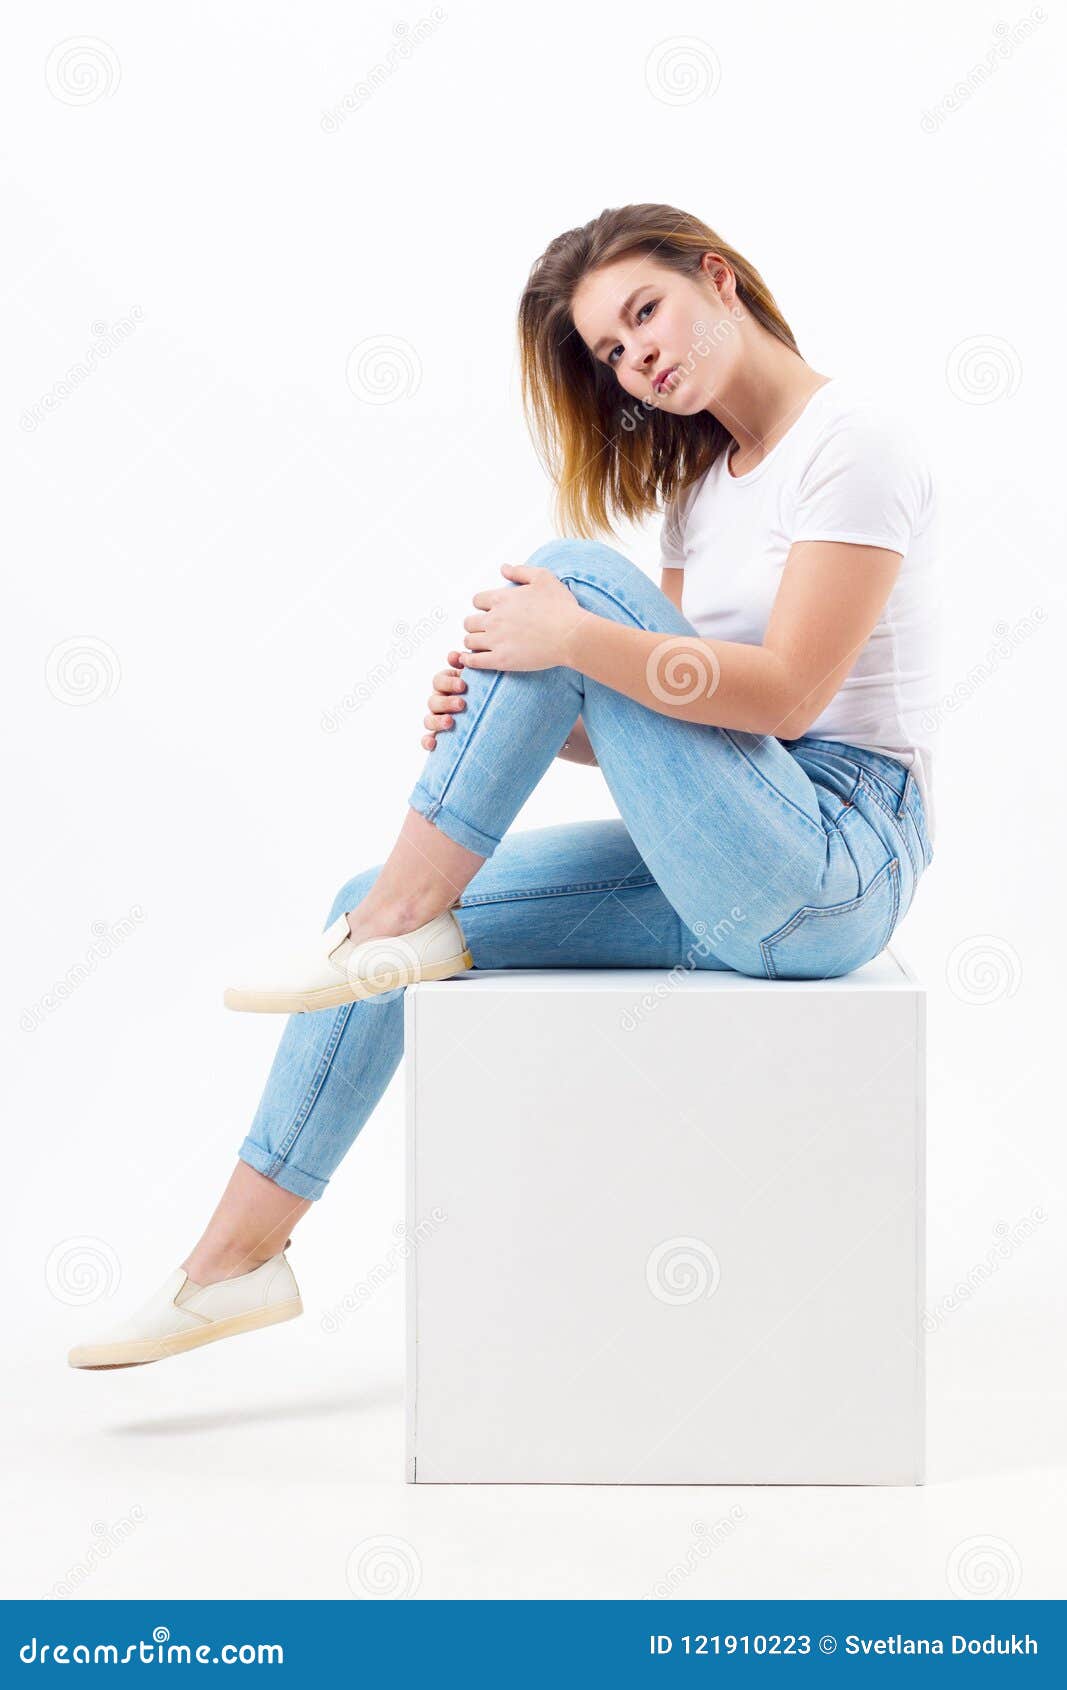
[(605, 457)]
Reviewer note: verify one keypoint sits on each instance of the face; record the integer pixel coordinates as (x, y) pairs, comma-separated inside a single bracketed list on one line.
[(641, 320)]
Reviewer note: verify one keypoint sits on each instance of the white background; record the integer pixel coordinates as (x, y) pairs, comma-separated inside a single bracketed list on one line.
[(231, 531)]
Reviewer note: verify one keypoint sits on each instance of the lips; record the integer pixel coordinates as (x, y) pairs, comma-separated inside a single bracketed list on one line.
[(660, 385)]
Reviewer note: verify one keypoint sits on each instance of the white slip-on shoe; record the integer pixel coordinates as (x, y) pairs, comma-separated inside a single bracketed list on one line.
[(337, 969), (181, 1315)]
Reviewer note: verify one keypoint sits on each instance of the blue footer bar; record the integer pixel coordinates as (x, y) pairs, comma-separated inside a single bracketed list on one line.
[(537, 1643)]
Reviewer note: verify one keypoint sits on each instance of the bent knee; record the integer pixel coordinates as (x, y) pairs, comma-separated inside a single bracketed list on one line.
[(564, 555)]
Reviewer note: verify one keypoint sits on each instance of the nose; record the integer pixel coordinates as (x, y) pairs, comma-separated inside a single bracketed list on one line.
[(644, 363)]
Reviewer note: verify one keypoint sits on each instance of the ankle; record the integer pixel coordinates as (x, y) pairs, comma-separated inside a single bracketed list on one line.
[(208, 1267), (388, 917)]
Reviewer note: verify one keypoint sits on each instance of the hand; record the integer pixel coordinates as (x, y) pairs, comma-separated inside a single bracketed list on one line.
[(529, 629), (442, 705)]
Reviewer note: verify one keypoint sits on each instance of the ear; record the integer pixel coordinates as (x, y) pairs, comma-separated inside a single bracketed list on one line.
[(718, 272)]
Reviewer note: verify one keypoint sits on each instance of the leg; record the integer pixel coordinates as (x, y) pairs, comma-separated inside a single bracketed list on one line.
[(733, 831), (252, 1222), (424, 874), (724, 820), (577, 895)]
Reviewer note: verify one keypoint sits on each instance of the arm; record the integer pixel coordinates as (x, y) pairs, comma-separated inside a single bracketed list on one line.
[(671, 585), (828, 602), (576, 748)]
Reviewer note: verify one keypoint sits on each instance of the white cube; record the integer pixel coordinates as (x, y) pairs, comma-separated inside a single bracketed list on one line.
[(666, 1228)]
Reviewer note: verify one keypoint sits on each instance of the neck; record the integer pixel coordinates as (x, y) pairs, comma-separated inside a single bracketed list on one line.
[(766, 394)]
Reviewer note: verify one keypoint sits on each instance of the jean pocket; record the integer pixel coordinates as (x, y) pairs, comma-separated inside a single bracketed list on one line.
[(818, 943)]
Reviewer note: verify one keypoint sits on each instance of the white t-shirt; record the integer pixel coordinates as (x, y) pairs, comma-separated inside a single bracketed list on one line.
[(844, 470)]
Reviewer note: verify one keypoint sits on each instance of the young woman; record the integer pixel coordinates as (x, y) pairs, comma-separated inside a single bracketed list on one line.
[(762, 720)]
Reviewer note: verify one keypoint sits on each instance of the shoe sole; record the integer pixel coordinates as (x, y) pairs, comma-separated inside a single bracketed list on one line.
[(353, 991), (138, 1352)]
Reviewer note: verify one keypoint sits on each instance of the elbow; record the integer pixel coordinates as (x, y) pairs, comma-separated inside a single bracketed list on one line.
[(794, 720), (793, 726), (799, 704), (790, 703)]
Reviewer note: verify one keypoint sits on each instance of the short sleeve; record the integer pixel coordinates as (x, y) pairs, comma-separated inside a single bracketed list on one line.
[(866, 482), (672, 538), (673, 551)]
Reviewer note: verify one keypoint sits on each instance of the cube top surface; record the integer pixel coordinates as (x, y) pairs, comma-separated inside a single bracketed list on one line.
[(886, 972)]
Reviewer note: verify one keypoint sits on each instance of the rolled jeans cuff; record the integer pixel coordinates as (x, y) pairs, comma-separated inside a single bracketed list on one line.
[(463, 832), (283, 1173)]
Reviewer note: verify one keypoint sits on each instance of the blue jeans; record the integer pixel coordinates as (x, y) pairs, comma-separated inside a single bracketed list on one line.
[(730, 851)]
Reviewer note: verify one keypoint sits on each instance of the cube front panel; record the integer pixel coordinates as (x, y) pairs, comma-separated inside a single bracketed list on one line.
[(679, 1246)]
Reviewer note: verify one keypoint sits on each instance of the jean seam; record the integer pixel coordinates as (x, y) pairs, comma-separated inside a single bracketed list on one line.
[(439, 800), (911, 804), (317, 1082), (849, 809), (896, 819), (558, 891)]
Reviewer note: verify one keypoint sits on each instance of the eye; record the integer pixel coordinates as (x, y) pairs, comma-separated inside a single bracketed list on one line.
[(650, 305)]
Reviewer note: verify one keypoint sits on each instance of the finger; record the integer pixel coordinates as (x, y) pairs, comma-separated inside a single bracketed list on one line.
[(477, 642), (519, 571), (428, 742), (441, 704), (474, 624), (448, 683), (437, 722)]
